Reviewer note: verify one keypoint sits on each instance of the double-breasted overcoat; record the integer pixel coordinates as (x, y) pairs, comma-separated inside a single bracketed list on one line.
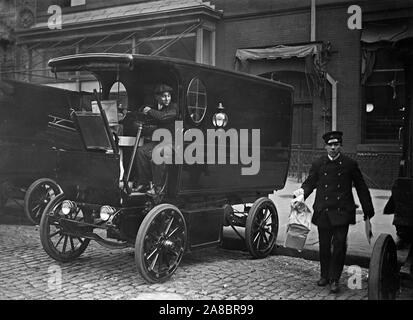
[(334, 201)]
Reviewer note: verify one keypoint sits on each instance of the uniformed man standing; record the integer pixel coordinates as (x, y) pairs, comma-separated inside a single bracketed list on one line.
[(333, 175)]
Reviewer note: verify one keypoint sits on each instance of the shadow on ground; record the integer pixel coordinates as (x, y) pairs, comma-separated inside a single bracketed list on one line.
[(13, 213)]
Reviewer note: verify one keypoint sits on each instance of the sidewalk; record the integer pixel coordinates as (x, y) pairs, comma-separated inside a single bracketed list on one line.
[(359, 250)]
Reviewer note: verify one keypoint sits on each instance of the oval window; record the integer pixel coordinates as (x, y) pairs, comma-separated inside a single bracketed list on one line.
[(196, 98), (118, 93)]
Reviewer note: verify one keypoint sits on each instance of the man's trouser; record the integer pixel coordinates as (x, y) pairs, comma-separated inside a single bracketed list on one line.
[(332, 262), (147, 169)]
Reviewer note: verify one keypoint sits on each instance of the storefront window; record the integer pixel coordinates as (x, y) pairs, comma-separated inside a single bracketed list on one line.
[(384, 99)]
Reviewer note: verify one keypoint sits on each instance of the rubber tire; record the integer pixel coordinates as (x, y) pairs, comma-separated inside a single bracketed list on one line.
[(44, 235), (383, 244), (250, 220), (56, 188), (139, 250)]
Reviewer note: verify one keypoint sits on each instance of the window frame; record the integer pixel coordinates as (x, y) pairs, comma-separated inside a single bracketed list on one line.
[(197, 92)]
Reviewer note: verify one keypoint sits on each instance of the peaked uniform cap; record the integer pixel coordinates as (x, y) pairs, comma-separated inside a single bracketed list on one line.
[(333, 137)]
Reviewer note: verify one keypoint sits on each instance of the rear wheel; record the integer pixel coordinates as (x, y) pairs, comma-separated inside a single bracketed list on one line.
[(56, 241), (261, 228), (160, 243), (38, 195), (383, 274)]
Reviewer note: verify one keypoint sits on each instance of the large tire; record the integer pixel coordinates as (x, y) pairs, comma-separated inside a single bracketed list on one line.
[(262, 221), (160, 243), (50, 227), (383, 280), (37, 196)]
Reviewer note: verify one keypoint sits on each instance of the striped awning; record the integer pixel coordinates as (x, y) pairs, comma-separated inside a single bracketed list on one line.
[(278, 52)]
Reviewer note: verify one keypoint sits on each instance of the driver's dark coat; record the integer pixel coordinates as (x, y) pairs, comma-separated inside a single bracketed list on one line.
[(164, 118), (155, 119), (334, 198)]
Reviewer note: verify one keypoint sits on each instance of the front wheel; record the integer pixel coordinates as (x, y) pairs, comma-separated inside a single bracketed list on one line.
[(37, 196), (261, 228), (160, 243), (56, 241)]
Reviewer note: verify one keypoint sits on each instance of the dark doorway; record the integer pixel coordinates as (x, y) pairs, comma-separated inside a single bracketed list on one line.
[(303, 108), (302, 126)]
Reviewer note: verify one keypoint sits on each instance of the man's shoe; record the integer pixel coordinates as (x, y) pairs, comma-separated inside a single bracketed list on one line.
[(334, 287), (322, 282)]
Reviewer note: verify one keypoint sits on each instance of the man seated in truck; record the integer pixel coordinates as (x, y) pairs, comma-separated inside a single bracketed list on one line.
[(162, 114)]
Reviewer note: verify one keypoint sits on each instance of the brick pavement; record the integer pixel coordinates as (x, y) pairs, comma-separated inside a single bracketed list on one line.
[(26, 272)]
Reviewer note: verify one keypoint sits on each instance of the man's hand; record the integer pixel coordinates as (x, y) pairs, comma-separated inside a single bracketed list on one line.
[(146, 110), (299, 196), (368, 229), (298, 192)]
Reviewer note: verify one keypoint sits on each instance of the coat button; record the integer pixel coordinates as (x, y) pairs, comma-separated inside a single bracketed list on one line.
[(339, 173), (340, 162), (338, 198), (325, 173), (326, 198), (325, 186), (327, 209), (338, 186), (338, 209)]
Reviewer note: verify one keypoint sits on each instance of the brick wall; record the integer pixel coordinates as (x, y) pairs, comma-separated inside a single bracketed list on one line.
[(294, 27), (379, 169)]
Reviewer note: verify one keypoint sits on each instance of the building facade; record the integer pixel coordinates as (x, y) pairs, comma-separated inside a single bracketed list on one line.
[(342, 57)]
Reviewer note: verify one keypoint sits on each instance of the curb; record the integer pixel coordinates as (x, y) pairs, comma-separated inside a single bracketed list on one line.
[(313, 255), (233, 243)]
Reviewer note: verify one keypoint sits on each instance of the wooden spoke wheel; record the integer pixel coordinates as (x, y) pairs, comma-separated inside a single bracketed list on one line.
[(57, 242), (261, 228), (383, 280), (160, 243), (37, 196)]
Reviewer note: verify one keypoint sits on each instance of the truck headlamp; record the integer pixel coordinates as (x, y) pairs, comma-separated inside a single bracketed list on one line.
[(106, 212), (68, 207)]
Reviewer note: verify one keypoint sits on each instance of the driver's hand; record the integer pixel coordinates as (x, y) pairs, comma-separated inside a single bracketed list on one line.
[(146, 110)]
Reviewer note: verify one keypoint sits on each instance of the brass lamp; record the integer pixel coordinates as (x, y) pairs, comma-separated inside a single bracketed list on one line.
[(220, 119)]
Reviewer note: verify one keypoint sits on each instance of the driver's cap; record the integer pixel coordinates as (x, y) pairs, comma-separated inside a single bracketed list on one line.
[(333, 137), (161, 88)]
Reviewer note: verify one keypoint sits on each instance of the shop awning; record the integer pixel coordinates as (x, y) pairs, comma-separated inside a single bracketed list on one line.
[(314, 54), (388, 33), (279, 52)]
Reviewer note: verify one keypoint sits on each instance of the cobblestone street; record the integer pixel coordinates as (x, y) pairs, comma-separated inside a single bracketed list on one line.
[(27, 272)]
